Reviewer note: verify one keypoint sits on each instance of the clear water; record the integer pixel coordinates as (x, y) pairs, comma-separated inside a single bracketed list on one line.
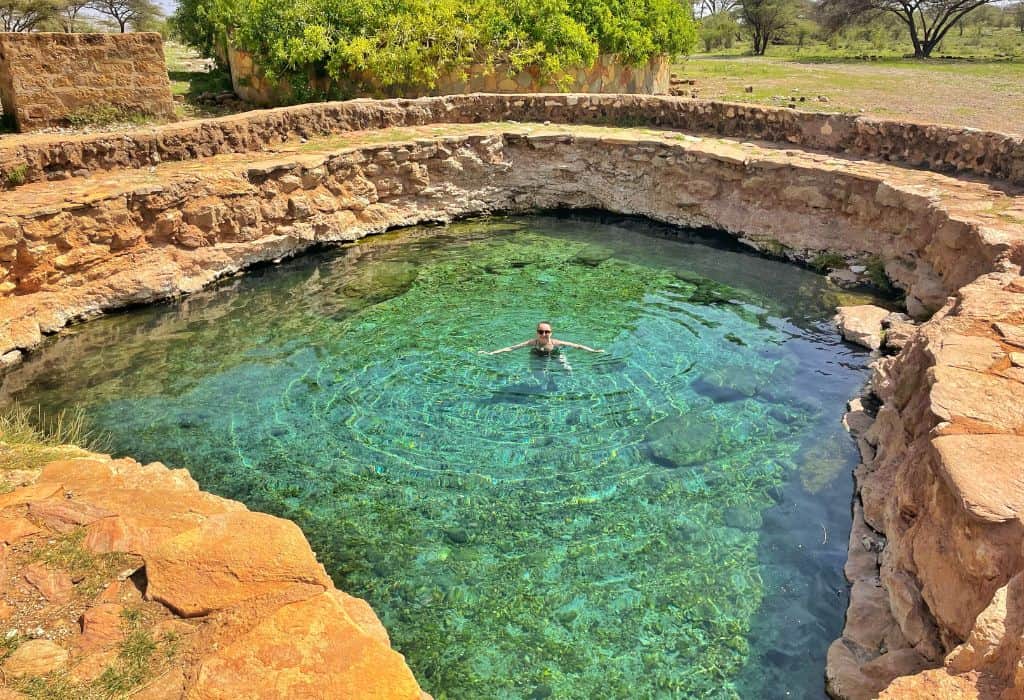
[(668, 519)]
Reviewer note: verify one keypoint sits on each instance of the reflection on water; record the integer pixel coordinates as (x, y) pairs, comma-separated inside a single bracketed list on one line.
[(667, 519)]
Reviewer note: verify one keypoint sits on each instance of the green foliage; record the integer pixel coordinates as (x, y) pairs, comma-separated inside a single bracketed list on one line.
[(17, 174), (878, 276), (825, 262), (718, 31), (406, 44), (104, 115)]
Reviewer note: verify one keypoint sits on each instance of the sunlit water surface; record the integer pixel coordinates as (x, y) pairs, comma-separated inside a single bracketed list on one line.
[(668, 519)]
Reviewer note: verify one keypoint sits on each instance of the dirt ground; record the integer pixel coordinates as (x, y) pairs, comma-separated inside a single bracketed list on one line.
[(984, 95)]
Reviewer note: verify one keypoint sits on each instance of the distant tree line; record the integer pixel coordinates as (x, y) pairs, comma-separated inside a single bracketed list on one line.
[(79, 15), (920, 25)]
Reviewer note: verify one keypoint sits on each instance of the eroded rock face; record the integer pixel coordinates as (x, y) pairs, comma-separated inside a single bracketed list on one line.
[(270, 621), (943, 479), (312, 648)]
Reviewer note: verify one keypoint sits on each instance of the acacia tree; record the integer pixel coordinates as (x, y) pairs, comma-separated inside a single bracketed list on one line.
[(67, 14), (25, 15), (927, 21), (125, 12), (703, 9), (766, 19)]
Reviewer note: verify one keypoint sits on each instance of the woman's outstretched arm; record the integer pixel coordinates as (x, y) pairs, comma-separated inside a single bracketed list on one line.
[(508, 349)]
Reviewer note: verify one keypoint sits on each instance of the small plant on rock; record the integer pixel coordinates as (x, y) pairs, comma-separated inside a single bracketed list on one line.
[(17, 175), (826, 262)]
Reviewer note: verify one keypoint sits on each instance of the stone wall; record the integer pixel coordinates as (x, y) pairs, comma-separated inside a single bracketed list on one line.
[(938, 148), (607, 75), (46, 78), (935, 549)]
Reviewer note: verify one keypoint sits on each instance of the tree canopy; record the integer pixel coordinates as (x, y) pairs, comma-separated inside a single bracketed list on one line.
[(927, 21), (406, 43)]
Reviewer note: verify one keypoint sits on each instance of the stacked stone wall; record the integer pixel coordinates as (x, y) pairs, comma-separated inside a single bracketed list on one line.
[(48, 78), (939, 148)]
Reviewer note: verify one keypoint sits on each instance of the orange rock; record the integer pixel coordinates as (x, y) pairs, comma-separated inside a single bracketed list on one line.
[(27, 494), (13, 529), (228, 559), (101, 627), (995, 493), (35, 657), (54, 584), (310, 649), (168, 686), (92, 666), (5, 610), (937, 684), (363, 615), (64, 515)]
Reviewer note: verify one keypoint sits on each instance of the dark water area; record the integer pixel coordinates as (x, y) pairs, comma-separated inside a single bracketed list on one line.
[(667, 519)]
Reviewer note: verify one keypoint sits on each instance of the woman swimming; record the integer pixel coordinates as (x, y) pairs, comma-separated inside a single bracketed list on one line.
[(545, 343)]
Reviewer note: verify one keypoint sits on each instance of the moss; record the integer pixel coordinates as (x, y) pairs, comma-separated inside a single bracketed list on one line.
[(826, 262), (105, 115), (876, 273)]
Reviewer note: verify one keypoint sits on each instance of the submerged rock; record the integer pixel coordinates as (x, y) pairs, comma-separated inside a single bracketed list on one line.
[(380, 281), (678, 441), (592, 256)]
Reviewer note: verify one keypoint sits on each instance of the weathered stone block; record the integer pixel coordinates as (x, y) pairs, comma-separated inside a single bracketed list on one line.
[(45, 78)]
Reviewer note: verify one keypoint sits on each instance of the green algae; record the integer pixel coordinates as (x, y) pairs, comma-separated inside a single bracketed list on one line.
[(608, 526)]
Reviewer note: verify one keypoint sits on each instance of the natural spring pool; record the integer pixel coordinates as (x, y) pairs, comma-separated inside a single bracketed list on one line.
[(668, 519)]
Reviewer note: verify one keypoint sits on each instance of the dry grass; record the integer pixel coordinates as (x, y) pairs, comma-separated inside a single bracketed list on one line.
[(29, 438), (979, 94)]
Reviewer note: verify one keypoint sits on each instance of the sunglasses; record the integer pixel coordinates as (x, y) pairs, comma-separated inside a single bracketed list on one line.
[(540, 332)]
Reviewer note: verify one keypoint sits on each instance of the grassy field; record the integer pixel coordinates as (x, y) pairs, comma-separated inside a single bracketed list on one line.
[(984, 94)]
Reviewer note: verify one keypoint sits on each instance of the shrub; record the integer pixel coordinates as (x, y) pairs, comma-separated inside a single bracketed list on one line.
[(17, 175), (411, 43)]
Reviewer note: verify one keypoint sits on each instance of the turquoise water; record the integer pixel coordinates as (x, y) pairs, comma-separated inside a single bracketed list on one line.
[(667, 519)]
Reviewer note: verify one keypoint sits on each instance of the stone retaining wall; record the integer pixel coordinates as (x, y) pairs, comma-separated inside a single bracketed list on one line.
[(46, 78), (935, 551), (133, 242), (607, 75), (938, 148)]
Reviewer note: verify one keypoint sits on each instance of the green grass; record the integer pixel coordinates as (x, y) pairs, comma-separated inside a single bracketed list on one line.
[(29, 439), (140, 658), (92, 571), (16, 175), (985, 94)]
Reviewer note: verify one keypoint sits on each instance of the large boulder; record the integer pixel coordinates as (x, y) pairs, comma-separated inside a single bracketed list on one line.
[(228, 559), (862, 324), (323, 647)]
